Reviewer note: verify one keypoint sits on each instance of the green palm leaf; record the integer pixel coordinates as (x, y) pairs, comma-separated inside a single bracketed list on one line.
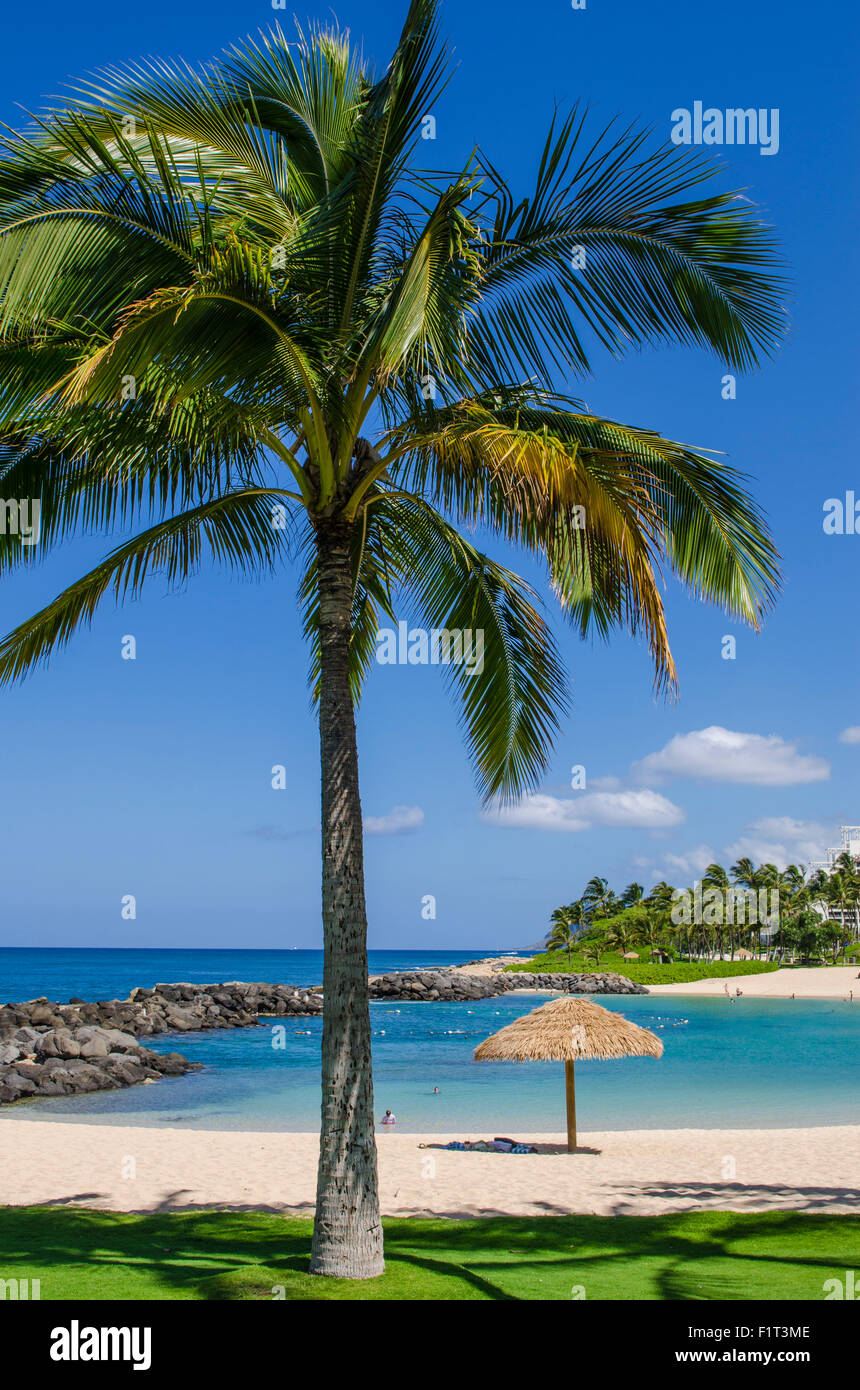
[(236, 530)]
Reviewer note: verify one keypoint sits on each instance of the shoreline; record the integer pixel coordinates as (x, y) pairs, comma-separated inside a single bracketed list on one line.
[(630, 1172), (834, 982)]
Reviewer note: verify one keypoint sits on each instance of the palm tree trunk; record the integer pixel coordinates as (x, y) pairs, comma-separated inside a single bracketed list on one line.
[(347, 1232)]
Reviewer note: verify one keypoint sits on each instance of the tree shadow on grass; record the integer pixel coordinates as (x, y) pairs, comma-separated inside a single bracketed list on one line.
[(685, 1256), (84, 1254)]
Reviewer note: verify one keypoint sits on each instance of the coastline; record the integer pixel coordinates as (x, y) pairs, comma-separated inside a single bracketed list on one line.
[(629, 1172), (820, 982), (800, 982)]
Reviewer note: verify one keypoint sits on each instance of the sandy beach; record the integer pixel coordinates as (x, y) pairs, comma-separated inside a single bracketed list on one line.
[(823, 982), (634, 1173)]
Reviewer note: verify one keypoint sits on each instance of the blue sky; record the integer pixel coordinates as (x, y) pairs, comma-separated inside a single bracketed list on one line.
[(152, 777)]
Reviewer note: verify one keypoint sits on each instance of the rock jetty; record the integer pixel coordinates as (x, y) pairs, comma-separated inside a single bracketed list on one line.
[(451, 985), (50, 1049)]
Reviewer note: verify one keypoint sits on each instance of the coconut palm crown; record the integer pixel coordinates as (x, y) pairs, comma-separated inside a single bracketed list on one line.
[(239, 322)]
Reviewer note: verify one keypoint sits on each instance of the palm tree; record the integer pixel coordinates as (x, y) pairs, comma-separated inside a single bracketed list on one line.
[(239, 322), (561, 938), (593, 951), (793, 899), (597, 898), (660, 902), (745, 874), (818, 891), (632, 895), (620, 936), (568, 923), (845, 887), (715, 876)]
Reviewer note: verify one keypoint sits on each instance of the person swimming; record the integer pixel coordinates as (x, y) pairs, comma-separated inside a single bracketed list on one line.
[(389, 1118)]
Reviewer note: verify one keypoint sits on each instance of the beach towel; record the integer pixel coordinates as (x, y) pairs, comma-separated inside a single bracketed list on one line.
[(505, 1146)]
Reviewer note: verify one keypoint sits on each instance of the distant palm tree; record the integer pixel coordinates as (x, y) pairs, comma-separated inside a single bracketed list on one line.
[(746, 875), (818, 890), (619, 936), (744, 872), (597, 898), (633, 893), (793, 899), (216, 285), (593, 951), (660, 902), (715, 876), (561, 937), (847, 893)]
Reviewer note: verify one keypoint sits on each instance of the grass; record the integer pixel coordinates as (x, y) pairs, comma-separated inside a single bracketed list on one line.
[(645, 972), (83, 1254)]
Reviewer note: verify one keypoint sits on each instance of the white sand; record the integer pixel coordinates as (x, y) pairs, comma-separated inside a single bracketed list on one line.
[(635, 1173), (823, 982)]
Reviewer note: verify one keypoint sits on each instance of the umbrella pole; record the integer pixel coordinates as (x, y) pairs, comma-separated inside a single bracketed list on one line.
[(570, 1095)]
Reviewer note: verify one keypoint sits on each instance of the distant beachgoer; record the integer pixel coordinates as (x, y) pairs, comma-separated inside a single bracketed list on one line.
[(435, 1090), (739, 993), (389, 1119)]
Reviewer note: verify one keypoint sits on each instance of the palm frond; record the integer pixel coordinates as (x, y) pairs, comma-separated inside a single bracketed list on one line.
[(625, 241), (237, 530), (509, 679), (606, 504)]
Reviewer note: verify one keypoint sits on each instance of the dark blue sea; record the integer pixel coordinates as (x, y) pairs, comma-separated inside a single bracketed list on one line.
[(27, 972)]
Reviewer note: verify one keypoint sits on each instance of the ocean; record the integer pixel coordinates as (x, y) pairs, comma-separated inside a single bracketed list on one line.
[(755, 1063), (58, 972)]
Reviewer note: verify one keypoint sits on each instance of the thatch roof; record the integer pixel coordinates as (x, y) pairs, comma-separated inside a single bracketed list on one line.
[(569, 1030), (630, 955)]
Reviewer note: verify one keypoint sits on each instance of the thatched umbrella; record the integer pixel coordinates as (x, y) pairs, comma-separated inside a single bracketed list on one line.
[(567, 1030), (631, 955)]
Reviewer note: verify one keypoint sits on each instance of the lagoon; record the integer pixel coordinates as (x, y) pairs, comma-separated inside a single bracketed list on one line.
[(751, 1064)]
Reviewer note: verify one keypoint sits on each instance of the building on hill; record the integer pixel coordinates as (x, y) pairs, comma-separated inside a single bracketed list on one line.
[(849, 916), (850, 845)]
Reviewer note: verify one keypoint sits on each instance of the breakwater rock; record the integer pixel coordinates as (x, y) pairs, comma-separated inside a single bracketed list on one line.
[(603, 983), (434, 985), (50, 1049), (451, 985)]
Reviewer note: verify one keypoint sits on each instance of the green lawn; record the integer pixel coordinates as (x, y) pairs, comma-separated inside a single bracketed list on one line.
[(643, 972), (86, 1254)]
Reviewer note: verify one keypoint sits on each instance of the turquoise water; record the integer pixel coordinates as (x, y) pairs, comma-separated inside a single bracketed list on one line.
[(750, 1064)]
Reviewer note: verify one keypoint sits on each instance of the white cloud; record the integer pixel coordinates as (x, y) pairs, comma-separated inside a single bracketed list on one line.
[(722, 755), (692, 862), (850, 735), (633, 808), (781, 840), (604, 784), (398, 821)]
